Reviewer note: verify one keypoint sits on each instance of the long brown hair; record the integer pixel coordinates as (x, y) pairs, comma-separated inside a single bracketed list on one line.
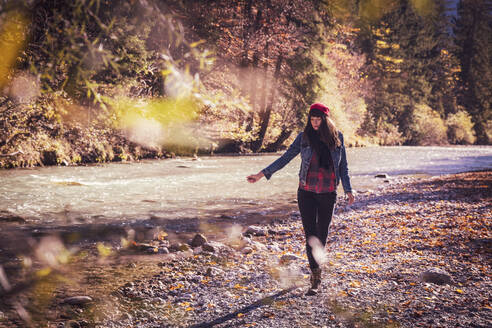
[(327, 132)]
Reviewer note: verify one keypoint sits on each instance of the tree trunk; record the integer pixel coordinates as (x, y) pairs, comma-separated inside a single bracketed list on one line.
[(246, 33), (284, 135), (265, 114)]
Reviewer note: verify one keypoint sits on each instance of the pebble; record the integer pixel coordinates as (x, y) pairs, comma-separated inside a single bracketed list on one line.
[(77, 300)]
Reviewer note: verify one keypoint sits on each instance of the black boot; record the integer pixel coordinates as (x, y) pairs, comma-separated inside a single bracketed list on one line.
[(315, 281)]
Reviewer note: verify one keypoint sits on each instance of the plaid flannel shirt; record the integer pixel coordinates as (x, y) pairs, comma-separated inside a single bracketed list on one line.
[(319, 180)]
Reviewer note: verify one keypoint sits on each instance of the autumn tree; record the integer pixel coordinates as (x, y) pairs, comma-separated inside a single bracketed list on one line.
[(473, 32), (267, 41), (409, 65), (384, 69), (444, 69)]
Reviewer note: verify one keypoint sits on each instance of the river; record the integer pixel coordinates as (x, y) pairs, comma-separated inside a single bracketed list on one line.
[(207, 187)]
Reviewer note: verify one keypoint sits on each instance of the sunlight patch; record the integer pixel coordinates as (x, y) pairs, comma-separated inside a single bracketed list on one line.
[(12, 40), (161, 122)]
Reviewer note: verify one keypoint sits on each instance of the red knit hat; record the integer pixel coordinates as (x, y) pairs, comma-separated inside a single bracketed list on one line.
[(319, 106)]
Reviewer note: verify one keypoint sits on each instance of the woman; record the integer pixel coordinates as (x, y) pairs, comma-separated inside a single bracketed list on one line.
[(323, 166)]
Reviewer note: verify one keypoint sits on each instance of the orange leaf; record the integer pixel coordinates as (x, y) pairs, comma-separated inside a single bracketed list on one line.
[(355, 284)]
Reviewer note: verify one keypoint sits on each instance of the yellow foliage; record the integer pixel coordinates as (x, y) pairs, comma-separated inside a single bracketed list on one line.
[(12, 40), (382, 44), (393, 60), (423, 7), (197, 43), (43, 272), (103, 250), (378, 32)]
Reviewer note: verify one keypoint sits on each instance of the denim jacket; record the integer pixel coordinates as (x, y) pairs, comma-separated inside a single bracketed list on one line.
[(299, 145)]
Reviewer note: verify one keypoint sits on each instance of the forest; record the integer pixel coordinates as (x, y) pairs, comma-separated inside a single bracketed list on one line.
[(90, 81)]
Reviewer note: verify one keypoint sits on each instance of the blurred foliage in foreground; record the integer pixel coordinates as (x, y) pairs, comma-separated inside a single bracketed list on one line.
[(98, 80)]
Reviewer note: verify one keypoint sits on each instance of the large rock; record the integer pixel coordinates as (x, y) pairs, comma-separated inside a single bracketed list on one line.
[(435, 276), (197, 250), (278, 231), (287, 258), (146, 248), (8, 217), (213, 272), (247, 250), (213, 246), (254, 230), (179, 247), (184, 247), (274, 248), (198, 240), (258, 246)]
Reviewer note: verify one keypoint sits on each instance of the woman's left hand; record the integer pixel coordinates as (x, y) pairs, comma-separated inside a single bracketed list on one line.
[(351, 198), (255, 177)]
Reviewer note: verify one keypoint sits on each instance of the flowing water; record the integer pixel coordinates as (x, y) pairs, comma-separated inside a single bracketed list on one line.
[(209, 187)]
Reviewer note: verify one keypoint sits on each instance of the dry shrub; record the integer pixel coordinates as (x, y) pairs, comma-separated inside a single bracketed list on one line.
[(460, 128), (427, 128), (388, 135)]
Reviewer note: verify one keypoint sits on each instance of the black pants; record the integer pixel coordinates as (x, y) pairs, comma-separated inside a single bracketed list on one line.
[(316, 212)]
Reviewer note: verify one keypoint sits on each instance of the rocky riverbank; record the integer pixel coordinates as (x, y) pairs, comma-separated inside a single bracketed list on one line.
[(57, 132), (412, 253)]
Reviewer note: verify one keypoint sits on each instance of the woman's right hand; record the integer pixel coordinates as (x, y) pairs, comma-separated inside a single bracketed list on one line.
[(255, 177)]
